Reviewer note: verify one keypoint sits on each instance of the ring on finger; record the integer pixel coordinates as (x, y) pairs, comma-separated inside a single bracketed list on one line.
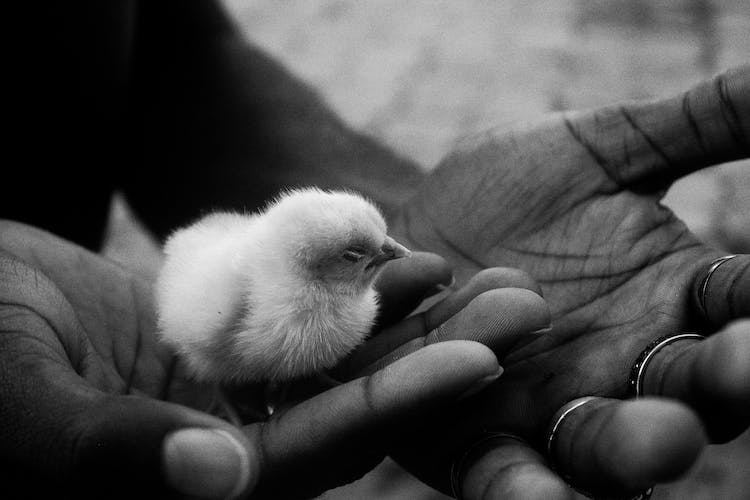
[(635, 381), (458, 465), (712, 267), (561, 414)]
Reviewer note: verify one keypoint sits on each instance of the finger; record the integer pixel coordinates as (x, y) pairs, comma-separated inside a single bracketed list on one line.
[(404, 283), (487, 279), (170, 447), (518, 308), (505, 467), (712, 376), (649, 145), (721, 290), (612, 447), (496, 318), (340, 434)]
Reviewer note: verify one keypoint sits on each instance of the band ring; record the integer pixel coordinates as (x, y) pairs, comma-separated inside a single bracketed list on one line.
[(635, 382), (564, 411), (457, 465), (715, 264)]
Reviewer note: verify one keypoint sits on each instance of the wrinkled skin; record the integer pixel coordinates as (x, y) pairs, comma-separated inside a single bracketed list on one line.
[(574, 201)]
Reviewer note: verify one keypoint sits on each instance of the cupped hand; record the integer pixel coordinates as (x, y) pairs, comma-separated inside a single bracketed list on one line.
[(93, 406), (575, 202)]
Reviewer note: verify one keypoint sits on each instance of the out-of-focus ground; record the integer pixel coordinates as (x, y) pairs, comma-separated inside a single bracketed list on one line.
[(420, 74)]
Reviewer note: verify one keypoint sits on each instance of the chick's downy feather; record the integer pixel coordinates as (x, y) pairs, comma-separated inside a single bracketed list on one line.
[(275, 295)]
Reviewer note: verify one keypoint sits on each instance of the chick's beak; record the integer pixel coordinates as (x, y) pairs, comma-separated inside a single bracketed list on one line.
[(390, 250)]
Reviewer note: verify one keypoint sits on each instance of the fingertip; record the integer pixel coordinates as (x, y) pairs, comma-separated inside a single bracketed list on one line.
[(451, 370), (616, 447), (434, 266), (405, 283), (723, 374), (470, 359), (435, 272), (209, 463), (484, 281), (425, 267), (651, 440), (513, 311), (250, 461), (497, 318)]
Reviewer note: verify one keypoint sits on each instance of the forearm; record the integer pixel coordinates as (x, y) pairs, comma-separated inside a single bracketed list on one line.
[(220, 124)]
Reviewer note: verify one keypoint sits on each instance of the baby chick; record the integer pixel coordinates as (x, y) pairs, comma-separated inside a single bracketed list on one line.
[(276, 295)]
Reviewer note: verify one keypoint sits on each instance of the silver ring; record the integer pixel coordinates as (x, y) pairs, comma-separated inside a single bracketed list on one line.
[(457, 465), (564, 411), (715, 264), (639, 367)]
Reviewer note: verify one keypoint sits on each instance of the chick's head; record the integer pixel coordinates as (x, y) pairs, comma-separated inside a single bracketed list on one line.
[(334, 238)]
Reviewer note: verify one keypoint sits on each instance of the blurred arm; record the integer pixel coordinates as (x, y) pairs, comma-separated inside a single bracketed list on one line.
[(219, 124)]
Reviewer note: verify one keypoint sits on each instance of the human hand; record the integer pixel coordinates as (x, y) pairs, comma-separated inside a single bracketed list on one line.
[(93, 406), (574, 201)]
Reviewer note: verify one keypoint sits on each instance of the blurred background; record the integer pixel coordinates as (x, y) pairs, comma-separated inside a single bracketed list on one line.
[(421, 74)]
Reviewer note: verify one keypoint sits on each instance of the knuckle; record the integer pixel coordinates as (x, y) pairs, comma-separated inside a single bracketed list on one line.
[(369, 390)]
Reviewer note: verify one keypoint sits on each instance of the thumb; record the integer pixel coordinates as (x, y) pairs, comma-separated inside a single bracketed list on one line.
[(130, 445), (61, 437), (101, 446)]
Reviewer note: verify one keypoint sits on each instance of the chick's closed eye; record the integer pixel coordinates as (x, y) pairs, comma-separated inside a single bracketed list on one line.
[(354, 254)]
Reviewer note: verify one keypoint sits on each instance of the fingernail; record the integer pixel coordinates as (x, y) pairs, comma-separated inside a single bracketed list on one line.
[(206, 463), (481, 384), (543, 330)]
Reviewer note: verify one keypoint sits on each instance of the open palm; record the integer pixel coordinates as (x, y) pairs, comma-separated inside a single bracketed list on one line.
[(574, 201)]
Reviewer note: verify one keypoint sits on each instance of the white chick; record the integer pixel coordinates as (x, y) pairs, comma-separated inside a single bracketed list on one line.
[(280, 294)]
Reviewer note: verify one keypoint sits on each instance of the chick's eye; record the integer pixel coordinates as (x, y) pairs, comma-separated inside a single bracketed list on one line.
[(354, 254)]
